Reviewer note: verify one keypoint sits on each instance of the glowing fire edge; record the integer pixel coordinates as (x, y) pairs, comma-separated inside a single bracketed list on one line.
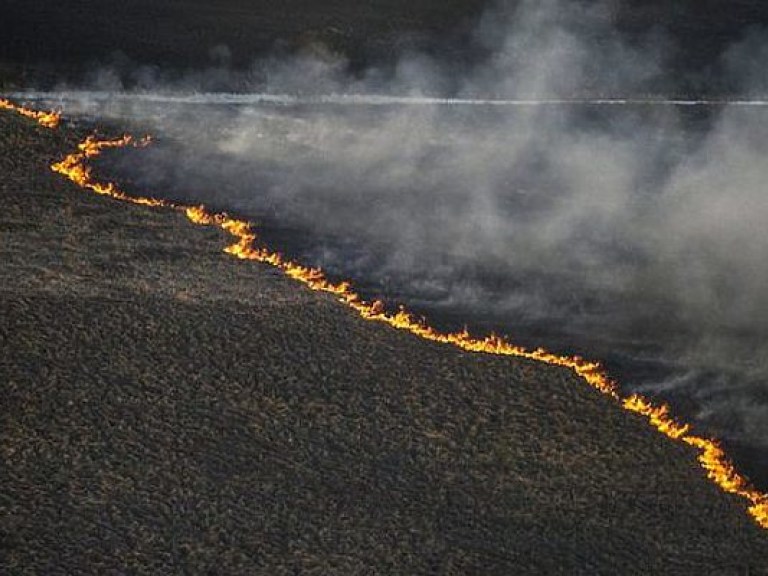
[(711, 456)]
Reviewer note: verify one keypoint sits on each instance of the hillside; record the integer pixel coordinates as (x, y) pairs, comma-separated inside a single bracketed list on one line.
[(170, 409)]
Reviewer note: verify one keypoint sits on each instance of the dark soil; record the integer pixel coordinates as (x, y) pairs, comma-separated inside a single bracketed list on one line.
[(168, 409)]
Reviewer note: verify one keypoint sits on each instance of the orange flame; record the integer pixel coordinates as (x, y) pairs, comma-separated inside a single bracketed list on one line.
[(711, 456), (46, 119), (74, 166)]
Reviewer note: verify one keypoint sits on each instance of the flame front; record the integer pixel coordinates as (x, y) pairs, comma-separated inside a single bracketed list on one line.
[(46, 119), (711, 456), (75, 167)]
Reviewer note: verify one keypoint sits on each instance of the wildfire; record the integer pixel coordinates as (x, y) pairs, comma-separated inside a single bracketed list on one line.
[(75, 167), (47, 119), (711, 456)]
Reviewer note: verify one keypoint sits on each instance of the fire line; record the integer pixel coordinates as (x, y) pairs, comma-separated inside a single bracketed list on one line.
[(46, 119), (711, 456)]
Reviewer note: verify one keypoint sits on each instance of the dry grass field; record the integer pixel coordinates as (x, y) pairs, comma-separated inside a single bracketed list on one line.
[(168, 409)]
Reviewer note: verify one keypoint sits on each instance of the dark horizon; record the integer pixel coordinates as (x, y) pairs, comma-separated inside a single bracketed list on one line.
[(48, 42)]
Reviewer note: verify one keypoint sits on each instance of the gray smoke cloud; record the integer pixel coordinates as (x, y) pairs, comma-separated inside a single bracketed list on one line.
[(638, 231)]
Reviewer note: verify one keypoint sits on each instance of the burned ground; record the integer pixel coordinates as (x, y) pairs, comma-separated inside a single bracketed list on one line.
[(167, 408)]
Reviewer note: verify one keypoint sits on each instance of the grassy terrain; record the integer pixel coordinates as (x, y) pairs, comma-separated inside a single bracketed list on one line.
[(168, 409)]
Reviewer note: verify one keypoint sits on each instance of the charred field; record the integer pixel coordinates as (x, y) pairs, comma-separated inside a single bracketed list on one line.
[(167, 408)]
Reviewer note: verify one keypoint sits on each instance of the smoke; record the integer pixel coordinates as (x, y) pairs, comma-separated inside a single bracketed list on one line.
[(635, 233)]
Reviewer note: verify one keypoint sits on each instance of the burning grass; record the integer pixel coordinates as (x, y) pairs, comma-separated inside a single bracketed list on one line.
[(46, 119)]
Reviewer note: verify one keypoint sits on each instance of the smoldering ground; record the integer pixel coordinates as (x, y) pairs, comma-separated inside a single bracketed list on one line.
[(633, 233)]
